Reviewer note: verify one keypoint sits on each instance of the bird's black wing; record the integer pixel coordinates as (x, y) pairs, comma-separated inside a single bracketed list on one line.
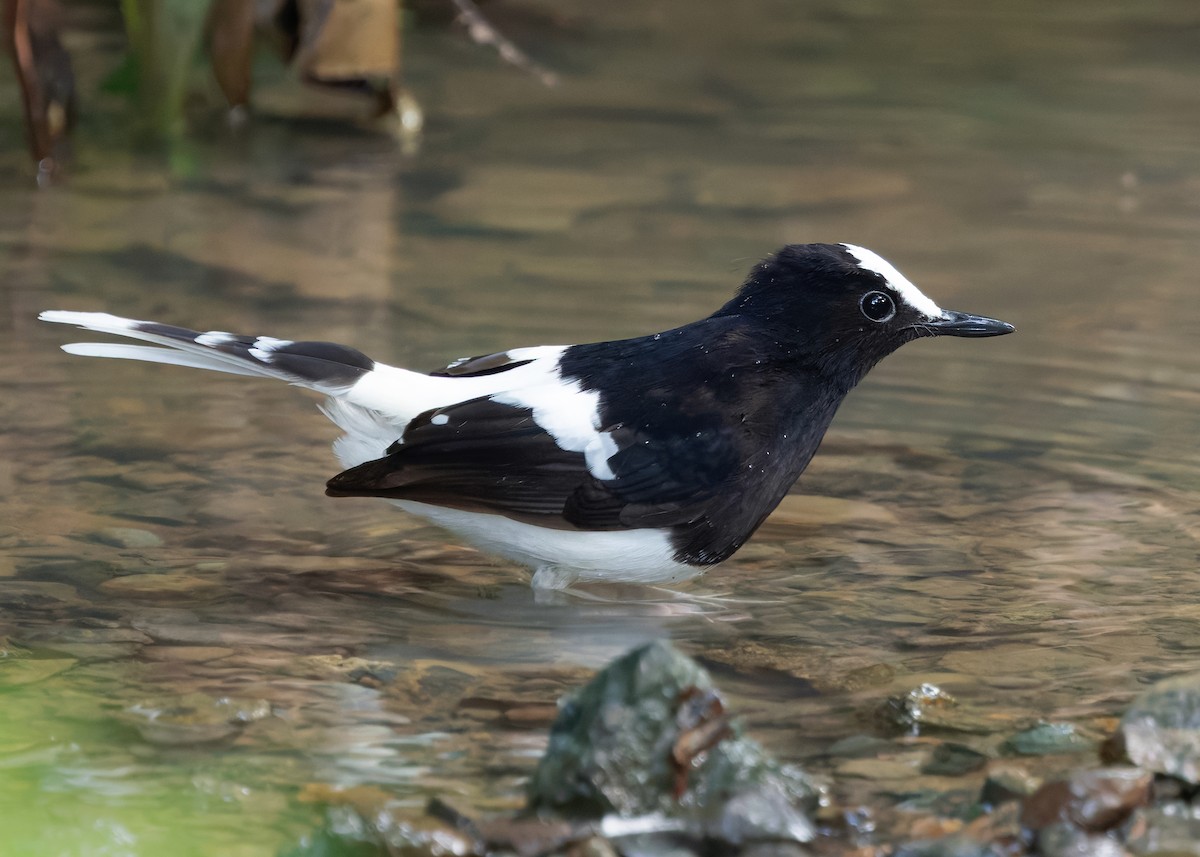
[(660, 479), (481, 455), (474, 367)]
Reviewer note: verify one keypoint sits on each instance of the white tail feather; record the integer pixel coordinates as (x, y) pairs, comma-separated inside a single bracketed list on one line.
[(177, 352), (150, 354), (368, 433)]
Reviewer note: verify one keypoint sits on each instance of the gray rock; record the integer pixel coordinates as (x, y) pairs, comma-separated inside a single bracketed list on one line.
[(952, 760), (1007, 783), (950, 846), (1169, 829), (928, 707), (650, 735), (1161, 730), (1063, 840), (1047, 738)]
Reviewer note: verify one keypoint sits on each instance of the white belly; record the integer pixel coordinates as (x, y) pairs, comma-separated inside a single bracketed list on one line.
[(561, 558)]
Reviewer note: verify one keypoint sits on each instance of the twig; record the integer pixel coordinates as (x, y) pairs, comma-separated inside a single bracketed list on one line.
[(482, 32)]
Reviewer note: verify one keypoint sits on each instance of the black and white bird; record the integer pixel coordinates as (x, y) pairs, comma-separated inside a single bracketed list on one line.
[(644, 460)]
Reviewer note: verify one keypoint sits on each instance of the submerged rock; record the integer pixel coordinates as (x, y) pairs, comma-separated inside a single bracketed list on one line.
[(1091, 801), (1006, 783), (649, 734), (194, 718), (1048, 738), (1063, 840), (952, 760), (1161, 730), (929, 707), (950, 846), (1171, 828)]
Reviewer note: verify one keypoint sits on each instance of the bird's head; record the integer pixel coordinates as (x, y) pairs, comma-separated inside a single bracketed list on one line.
[(842, 308)]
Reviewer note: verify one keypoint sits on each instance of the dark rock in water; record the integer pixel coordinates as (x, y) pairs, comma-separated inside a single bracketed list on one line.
[(929, 707), (1091, 801), (1045, 739), (648, 735), (952, 760), (349, 832), (1161, 730), (1004, 784)]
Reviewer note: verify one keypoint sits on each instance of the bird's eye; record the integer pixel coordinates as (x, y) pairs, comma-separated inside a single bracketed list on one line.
[(877, 306)]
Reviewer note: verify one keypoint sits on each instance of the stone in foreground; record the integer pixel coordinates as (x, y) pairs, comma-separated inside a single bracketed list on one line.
[(650, 735)]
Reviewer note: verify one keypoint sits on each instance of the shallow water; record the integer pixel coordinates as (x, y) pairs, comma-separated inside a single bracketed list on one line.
[(1013, 519)]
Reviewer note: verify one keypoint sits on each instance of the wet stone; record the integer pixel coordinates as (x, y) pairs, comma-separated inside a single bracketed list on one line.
[(126, 537), (1093, 801), (953, 760), (1063, 840), (1045, 739), (1170, 829), (194, 718), (903, 768), (930, 707), (1005, 784), (1161, 730), (950, 846), (649, 735), (349, 831)]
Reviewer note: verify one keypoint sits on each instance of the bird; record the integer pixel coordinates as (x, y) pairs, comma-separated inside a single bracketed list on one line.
[(645, 460)]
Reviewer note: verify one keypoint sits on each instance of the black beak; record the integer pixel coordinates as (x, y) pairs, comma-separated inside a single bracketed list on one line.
[(963, 324)]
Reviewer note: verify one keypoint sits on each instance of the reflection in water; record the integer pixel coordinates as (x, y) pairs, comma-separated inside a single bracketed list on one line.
[(1016, 523)]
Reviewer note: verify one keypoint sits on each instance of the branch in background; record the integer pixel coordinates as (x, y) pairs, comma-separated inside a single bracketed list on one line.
[(44, 70), (482, 32)]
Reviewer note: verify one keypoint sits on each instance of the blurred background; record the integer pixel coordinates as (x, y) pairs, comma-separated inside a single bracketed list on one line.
[(192, 633)]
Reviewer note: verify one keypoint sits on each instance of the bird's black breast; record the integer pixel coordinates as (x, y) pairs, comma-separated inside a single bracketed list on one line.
[(713, 426)]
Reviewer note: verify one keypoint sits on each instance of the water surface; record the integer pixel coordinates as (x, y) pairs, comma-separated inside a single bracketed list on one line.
[(1014, 519)]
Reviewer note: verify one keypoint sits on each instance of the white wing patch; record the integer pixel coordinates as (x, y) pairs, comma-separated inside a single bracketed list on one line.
[(568, 413), (562, 408), (597, 453), (910, 294)]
